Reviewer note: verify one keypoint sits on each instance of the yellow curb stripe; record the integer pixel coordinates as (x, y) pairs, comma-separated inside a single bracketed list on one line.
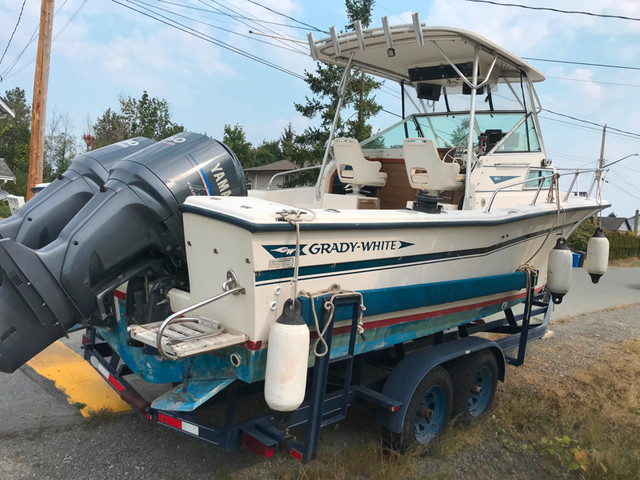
[(80, 382)]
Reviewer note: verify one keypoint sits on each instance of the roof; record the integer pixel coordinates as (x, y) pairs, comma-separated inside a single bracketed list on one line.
[(614, 223), (279, 166), (5, 109), (390, 51), (5, 172)]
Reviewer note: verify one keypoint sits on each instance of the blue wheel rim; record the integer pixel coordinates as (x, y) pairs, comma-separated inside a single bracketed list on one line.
[(430, 414), (480, 391)]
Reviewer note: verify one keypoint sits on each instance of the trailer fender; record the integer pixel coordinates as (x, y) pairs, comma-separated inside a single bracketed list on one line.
[(406, 376)]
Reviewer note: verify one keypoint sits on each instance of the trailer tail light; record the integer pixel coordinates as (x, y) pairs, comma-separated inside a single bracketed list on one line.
[(296, 454), (257, 447), (102, 370), (179, 424)]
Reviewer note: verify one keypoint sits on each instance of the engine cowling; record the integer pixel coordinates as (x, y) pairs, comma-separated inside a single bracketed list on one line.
[(40, 220), (131, 227)]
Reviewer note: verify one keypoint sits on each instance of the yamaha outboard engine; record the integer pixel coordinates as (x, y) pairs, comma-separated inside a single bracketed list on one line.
[(132, 227), (42, 218)]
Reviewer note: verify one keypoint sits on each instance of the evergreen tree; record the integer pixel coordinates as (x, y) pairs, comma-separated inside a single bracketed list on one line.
[(323, 84), (110, 128), (15, 138), (147, 117)]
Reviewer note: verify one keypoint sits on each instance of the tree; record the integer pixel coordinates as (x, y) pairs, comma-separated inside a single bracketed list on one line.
[(15, 138), (110, 128), (460, 134), (324, 100), (288, 144), (268, 152), (147, 117), (235, 138), (59, 146)]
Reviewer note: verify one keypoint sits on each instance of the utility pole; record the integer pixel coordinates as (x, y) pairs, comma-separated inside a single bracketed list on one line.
[(599, 170), (604, 134), (40, 84)]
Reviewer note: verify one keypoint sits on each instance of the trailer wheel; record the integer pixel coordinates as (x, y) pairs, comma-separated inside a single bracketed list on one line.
[(474, 386), (428, 412)]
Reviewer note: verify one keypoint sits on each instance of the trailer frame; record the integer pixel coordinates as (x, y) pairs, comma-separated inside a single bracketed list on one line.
[(265, 433)]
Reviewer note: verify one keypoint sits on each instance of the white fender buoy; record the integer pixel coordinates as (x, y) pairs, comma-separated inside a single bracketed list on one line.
[(287, 360), (559, 270), (597, 255)]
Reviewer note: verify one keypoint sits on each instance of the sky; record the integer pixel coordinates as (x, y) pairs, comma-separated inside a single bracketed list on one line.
[(102, 49)]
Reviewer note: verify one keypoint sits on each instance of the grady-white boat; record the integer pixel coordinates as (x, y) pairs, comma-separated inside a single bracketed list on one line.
[(488, 205), (443, 219)]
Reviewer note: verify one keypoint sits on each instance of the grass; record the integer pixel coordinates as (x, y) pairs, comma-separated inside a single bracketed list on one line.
[(587, 423), (625, 262), (360, 460), (582, 425)]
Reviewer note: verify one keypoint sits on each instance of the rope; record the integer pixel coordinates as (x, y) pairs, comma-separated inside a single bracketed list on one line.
[(554, 187), (530, 271), (294, 217), (335, 291)]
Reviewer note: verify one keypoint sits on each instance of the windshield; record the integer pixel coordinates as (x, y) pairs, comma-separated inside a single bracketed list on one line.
[(503, 120), (451, 130)]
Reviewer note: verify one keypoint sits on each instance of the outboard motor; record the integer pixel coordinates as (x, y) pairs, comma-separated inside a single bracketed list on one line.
[(132, 227), (42, 218)]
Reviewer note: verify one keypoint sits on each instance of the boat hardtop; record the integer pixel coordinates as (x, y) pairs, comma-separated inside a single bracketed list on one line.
[(392, 51)]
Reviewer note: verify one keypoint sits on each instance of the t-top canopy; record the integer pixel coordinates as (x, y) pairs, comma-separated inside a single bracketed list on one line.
[(417, 53)]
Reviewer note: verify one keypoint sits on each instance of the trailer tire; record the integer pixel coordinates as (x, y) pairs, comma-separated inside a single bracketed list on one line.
[(475, 380), (428, 412)]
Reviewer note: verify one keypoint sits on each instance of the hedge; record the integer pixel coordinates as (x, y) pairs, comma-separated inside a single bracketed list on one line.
[(621, 245)]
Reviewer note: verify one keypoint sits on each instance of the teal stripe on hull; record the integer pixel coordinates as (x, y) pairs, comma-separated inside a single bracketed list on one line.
[(386, 300), (217, 365)]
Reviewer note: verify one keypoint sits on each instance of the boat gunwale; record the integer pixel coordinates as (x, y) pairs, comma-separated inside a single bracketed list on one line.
[(254, 227)]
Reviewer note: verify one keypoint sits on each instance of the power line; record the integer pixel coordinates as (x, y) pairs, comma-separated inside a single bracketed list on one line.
[(207, 38), (192, 7), (254, 38), (633, 134), (8, 70), (595, 81), (604, 65), (287, 16), (14, 31), (288, 45), (557, 10)]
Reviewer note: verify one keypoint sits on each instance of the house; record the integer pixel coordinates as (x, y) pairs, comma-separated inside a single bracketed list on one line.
[(616, 224), (5, 110), (634, 222), (6, 175), (258, 177)]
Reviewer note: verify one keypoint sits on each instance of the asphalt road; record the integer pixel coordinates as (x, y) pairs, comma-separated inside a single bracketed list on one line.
[(43, 436)]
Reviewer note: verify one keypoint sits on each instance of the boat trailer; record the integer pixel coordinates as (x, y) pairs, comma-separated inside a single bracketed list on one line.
[(328, 402)]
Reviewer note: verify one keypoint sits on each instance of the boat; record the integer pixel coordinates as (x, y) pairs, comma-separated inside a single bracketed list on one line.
[(439, 221)]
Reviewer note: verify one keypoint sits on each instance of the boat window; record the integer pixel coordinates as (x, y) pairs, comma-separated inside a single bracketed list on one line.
[(536, 176), (523, 139), (451, 130), (393, 136)]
